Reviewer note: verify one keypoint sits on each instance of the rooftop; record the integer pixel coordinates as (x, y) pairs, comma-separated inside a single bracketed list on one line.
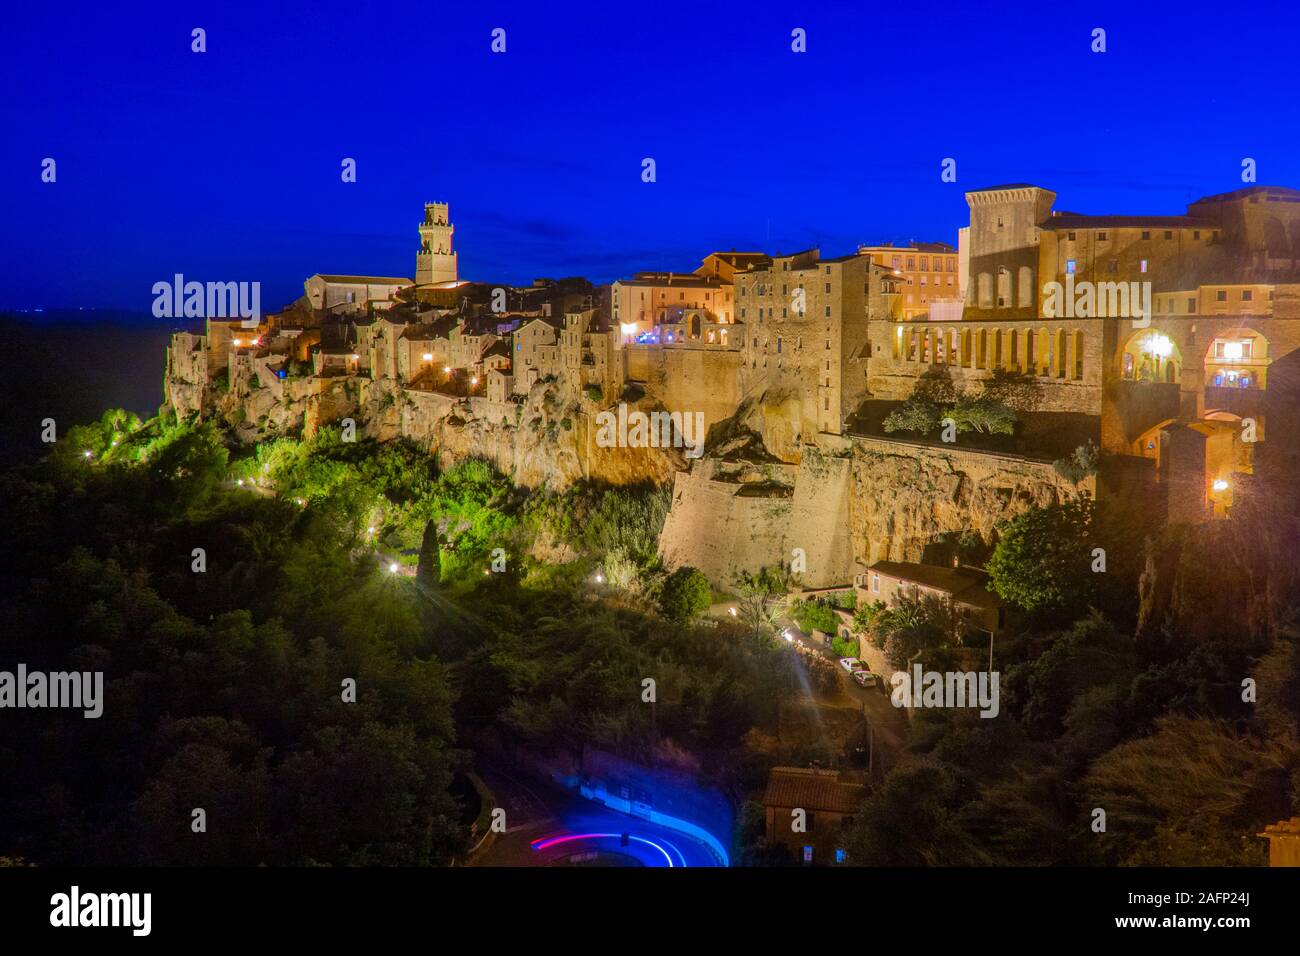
[(812, 790), (967, 584), (363, 280), (1074, 220)]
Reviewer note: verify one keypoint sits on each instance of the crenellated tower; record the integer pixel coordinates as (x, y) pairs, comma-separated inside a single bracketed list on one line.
[(435, 262)]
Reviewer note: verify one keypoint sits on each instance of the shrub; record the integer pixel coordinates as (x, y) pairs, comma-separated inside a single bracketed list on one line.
[(810, 615), (984, 415), (917, 415), (845, 646), (1077, 466), (685, 594)]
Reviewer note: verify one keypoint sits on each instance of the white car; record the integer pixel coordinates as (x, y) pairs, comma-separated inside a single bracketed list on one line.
[(850, 664)]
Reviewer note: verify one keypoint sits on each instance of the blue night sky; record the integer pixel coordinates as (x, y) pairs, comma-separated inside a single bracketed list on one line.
[(225, 165)]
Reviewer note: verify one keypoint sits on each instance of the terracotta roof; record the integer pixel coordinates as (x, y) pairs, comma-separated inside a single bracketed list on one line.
[(1280, 193), (1283, 828), (964, 584), (364, 280), (1074, 220), (812, 790)]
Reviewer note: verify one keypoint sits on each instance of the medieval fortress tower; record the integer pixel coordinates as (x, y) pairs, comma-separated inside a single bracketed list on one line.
[(1169, 343)]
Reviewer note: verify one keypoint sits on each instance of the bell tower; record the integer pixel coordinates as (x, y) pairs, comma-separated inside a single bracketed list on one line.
[(435, 262)]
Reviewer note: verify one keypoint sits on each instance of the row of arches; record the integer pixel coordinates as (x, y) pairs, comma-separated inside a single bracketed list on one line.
[(1057, 353)]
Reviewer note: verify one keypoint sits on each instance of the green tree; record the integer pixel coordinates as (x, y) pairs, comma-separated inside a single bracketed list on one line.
[(1043, 559), (685, 594), (917, 415), (983, 415)]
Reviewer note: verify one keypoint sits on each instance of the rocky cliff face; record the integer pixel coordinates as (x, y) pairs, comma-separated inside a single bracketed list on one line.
[(905, 496), (765, 427), (548, 439)]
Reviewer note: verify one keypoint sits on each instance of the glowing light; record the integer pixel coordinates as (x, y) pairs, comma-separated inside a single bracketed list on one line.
[(370, 530), (240, 482), (257, 341), (627, 328), (600, 578), (446, 369), (355, 356), (87, 453), (1232, 350), (546, 844), (301, 503), (1161, 346), (474, 380), (428, 356), (788, 636), (1220, 485), (239, 341), (392, 568), (731, 611)]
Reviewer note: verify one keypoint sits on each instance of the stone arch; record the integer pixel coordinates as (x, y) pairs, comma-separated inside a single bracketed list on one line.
[(1155, 357), (1237, 357), (1004, 287)]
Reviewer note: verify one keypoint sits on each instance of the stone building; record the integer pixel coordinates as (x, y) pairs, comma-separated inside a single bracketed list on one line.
[(649, 299), (435, 263), (355, 294), (805, 329), (929, 280), (810, 811)]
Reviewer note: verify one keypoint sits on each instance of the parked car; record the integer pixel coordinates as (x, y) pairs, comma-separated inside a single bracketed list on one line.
[(865, 678), (850, 664)]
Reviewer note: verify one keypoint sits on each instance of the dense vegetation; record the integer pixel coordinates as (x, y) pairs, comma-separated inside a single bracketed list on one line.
[(1163, 691), (229, 598)]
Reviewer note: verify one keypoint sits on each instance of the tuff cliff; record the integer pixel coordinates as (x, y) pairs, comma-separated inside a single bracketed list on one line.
[(905, 495), (547, 439)]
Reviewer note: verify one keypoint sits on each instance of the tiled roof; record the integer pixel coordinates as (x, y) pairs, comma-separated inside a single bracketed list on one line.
[(812, 790), (1072, 220), (965, 584), (365, 280)]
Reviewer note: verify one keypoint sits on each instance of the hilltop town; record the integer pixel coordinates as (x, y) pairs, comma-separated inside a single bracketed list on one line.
[(863, 411)]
